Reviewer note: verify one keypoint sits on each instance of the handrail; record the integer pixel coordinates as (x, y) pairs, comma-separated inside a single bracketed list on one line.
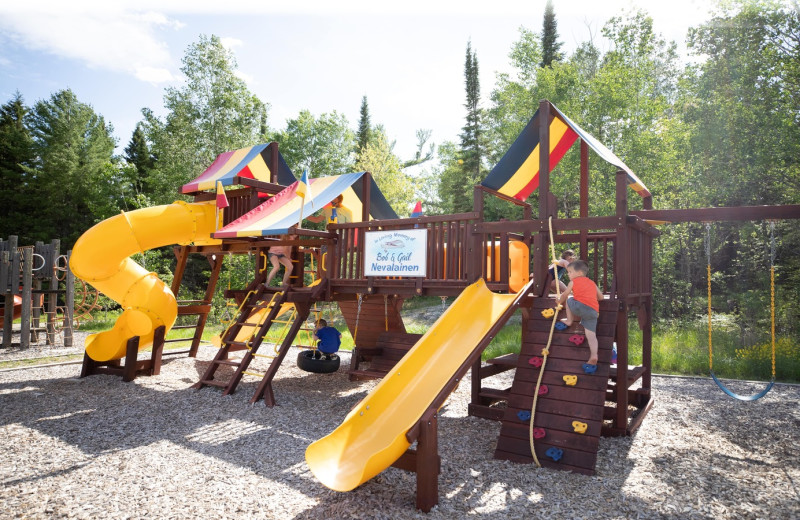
[(457, 217)]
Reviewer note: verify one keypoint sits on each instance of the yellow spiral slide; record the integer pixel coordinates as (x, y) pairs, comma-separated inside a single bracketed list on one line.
[(101, 256)]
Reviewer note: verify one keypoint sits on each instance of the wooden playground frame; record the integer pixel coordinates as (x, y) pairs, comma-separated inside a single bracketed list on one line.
[(618, 247)]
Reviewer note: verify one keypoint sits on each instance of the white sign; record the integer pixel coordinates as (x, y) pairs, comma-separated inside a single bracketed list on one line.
[(396, 253)]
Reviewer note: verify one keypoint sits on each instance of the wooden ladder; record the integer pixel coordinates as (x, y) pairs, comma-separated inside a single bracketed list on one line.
[(562, 410), (254, 301)]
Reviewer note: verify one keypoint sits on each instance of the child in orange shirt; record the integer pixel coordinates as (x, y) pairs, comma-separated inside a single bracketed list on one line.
[(583, 305)]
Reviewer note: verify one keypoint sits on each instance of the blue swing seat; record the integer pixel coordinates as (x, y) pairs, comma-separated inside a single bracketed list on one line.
[(742, 397)]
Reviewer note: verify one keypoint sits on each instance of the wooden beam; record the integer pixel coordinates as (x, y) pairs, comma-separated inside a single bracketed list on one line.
[(790, 211)]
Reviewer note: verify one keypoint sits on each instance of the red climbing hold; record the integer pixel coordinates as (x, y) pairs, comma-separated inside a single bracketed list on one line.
[(539, 433), (535, 361), (577, 339)]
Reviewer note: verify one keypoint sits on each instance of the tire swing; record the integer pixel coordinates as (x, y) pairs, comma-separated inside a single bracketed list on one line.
[(308, 361)]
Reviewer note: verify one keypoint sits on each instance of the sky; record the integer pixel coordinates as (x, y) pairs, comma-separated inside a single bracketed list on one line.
[(406, 57)]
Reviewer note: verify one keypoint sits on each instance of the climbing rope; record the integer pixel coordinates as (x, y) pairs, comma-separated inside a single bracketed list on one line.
[(546, 350), (386, 311), (725, 389)]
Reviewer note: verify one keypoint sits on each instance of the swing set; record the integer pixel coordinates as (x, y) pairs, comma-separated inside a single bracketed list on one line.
[(719, 383)]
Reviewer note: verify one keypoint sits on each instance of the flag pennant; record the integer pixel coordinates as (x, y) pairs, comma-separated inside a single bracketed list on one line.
[(417, 210), (303, 188), (222, 199)]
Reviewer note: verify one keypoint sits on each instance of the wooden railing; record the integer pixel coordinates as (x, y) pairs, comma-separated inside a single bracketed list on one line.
[(448, 248)]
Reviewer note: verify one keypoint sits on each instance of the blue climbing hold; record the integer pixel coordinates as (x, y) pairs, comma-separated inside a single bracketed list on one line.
[(589, 369), (554, 453), (524, 415), (560, 325)]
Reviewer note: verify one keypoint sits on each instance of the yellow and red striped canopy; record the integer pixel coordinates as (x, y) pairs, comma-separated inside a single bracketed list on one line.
[(517, 172)]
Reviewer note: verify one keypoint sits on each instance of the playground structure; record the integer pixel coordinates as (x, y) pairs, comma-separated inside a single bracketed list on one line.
[(466, 256), (32, 279)]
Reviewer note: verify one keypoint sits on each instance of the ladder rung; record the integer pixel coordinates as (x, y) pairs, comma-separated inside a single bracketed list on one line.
[(176, 340), (248, 373), (236, 343), (270, 356), (227, 362), (179, 327)]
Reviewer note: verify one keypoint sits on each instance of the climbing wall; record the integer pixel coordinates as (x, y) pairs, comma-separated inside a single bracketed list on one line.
[(563, 410)]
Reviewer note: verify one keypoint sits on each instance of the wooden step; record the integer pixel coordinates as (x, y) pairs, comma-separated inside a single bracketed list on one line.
[(227, 362), (495, 393), (506, 360)]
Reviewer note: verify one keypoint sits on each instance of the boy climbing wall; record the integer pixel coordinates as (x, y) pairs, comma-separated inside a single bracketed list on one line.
[(584, 305)]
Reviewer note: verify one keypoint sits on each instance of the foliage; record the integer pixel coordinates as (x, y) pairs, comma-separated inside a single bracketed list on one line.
[(212, 113), (364, 129), (138, 155), (550, 45), (16, 151), (324, 145), (397, 187), (73, 169)]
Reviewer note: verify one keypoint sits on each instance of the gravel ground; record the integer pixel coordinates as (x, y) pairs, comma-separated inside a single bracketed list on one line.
[(155, 448)]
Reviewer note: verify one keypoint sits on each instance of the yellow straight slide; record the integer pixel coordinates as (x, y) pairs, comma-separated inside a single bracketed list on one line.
[(101, 256), (373, 435)]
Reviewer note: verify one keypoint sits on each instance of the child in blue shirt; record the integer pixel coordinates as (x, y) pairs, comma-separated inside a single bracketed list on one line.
[(328, 339)]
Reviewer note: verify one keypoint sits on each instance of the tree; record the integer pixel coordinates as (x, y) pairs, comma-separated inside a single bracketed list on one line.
[(459, 178), (364, 128), (378, 159), (138, 154), (15, 153), (73, 179), (212, 113), (323, 145), (550, 44)]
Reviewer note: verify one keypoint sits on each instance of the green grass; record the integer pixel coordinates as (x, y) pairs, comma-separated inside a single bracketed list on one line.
[(678, 348)]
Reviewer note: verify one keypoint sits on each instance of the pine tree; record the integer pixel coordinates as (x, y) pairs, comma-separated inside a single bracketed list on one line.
[(364, 128), (15, 152), (138, 154), (550, 45), (472, 149)]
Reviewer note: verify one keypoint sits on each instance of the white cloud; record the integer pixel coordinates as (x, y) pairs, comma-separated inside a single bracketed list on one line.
[(111, 37), (231, 43)]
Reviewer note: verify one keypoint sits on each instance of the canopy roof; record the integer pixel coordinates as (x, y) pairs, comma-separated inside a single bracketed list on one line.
[(251, 162), (517, 172), (279, 213)]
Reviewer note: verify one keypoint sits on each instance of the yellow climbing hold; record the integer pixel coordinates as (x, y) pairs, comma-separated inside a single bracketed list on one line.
[(579, 427), (546, 352), (570, 380), (548, 313)]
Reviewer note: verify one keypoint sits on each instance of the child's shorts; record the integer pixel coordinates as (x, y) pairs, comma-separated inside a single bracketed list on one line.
[(587, 315)]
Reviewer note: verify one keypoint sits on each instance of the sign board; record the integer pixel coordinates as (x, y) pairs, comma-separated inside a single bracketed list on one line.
[(396, 253)]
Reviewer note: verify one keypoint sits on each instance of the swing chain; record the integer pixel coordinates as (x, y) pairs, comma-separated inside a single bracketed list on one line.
[(444, 299), (358, 315)]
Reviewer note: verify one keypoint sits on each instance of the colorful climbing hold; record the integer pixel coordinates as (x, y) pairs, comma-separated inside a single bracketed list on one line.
[(548, 313), (560, 325), (539, 433), (570, 380), (524, 415), (554, 453), (589, 369), (543, 390), (536, 361), (579, 427), (577, 339)]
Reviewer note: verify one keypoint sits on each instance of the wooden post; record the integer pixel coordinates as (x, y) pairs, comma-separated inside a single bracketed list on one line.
[(27, 282), (622, 270), (274, 162), (365, 204), (216, 266), (8, 305), (584, 199), (131, 359), (476, 249), (52, 297), (427, 464), (157, 351), (544, 161), (69, 302)]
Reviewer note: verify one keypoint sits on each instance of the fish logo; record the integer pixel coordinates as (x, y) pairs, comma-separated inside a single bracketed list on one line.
[(394, 244)]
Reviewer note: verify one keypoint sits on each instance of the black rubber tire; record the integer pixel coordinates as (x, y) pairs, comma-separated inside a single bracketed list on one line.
[(306, 361)]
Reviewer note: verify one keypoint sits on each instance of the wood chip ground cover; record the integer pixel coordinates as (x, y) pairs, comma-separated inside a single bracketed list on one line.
[(155, 448)]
